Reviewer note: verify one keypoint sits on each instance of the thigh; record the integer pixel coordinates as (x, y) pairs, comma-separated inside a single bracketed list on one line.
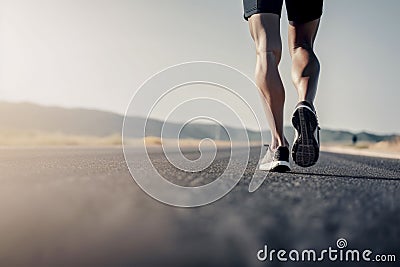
[(302, 11), (265, 30)]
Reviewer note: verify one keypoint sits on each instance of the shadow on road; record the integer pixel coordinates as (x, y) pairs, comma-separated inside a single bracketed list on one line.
[(347, 176)]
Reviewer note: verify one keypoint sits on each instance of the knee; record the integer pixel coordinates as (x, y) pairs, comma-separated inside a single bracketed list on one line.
[(269, 55)]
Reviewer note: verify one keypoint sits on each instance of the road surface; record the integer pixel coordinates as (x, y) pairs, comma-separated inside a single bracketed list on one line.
[(80, 207)]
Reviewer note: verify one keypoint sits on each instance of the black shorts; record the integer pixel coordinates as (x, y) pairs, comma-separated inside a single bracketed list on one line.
[(299, 11)]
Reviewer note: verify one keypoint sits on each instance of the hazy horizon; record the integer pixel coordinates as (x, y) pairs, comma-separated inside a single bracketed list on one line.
[(197, 122)]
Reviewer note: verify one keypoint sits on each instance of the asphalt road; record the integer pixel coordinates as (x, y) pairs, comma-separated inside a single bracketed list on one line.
[(80, 207)]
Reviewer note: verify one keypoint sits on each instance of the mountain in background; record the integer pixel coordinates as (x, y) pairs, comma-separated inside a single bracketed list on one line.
[(22, 117)]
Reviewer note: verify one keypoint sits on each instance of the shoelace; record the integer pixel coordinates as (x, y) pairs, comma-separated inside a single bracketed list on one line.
[(277, 154)]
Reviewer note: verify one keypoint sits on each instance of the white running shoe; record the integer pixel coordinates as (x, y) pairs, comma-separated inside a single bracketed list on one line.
[(276, 161)]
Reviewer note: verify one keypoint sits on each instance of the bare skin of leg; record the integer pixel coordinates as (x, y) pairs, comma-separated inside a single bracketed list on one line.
[(265, 30), (305, 64)]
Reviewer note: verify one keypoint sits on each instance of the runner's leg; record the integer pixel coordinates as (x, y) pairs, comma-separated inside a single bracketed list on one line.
[(265, 30), (305, 64)]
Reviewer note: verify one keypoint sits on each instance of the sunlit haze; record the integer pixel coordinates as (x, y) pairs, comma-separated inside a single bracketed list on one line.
[(96, 53)]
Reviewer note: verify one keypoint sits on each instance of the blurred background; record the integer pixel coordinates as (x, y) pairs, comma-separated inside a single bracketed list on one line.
[(67, 64)]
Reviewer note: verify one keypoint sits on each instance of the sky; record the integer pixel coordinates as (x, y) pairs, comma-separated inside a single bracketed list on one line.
[(96, 53)]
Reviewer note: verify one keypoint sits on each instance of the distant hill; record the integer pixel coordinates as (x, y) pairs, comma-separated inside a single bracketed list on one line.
[(27, 117), (335, 136), (22, 117), (30, 117), (332, 136)]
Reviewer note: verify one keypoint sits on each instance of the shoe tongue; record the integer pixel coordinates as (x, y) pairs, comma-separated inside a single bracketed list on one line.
[(281, 153)]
